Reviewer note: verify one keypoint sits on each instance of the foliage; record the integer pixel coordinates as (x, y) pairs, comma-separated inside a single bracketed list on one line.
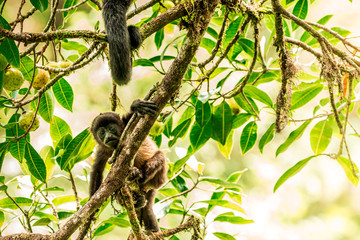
[(216, 102)]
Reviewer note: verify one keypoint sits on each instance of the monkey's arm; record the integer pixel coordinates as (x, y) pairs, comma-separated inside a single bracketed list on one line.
[(140, 107), (154, 171), (97, 170)]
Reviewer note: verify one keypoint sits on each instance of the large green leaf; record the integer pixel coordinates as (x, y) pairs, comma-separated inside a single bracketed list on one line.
[(257, 94), (46, 108), (4, 146), (199, 135), (300, 98), (48, 154), (224, 203), (73, 148), (231, 218), (227, 147), (180, 131), (292, 171), (159, 38), (223, 236), (300, 10), (350, 169), (221, 122), (293, 136), (35, 163), (247, 45), (68, 4), (64, 94), (7, 203), (9, 49), (42, 5), (231, 31), (306, 35), (27, 68), (245, 105), (202, 113), (239, 119), (17, 148), (75, 46), (248, 137), (207, 44), (58, 129), (320, 136), (267, 137)]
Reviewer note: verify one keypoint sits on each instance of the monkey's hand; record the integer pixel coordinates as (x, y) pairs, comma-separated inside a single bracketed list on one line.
[(135, 174), (142, 107)]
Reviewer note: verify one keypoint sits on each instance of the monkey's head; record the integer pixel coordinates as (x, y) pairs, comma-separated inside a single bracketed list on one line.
[(107, 128)]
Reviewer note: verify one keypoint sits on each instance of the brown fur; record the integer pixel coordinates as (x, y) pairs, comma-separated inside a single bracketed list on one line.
[(149, 166)]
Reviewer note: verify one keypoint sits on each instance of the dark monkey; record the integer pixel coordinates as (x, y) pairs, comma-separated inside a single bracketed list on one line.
[(149, 163), (122, 39)]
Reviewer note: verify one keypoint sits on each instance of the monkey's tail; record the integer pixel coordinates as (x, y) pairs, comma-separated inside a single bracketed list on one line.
[(114, 15)]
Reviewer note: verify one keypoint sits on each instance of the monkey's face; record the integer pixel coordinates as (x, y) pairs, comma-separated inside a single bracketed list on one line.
[(109, 135)]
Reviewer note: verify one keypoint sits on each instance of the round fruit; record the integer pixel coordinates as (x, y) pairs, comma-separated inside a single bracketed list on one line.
[(26, 119), (13, 79), (54, 65), (41, 79), (165, 6), (64, 63), (235, 108), (3, 62), (157, 128)]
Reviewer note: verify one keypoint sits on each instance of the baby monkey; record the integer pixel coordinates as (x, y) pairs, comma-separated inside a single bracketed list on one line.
[(149, 164)]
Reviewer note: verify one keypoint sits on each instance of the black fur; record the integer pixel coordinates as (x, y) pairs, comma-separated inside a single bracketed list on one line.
[(122, 39)]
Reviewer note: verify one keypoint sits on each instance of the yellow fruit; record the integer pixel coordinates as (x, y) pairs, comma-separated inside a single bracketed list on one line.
[(54, 65), (235, 108), (13, 79), (165, 6), (64, 63), (3, 62), (157, 128), (26, 119), (41, 79)]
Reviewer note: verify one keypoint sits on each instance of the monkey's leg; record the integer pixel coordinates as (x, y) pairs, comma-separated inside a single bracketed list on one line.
[(154, 170), (147, 214)]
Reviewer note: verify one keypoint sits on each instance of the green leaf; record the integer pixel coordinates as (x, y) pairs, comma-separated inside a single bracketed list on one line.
[(9, 49), (159, 38), (293, 136), (247, 45), (350, 169), (235, 176), (48, 154), (292, 171), (41, 5), (35, 163), (2, 218), (248, 137), (63, 199), (230, 218), (118, 221), (103, 229), (180, 131), (219, 182), (160, 209), (212, 32), (231, 31), (73, 148), (320, 136), (74, 46), (202, 113), (58, 129), (221, 122), (225, 204), (257, 94), (27, 68), (17, 148), (267, 137), (300, 10), (143, 62), (67, 4), (64, 94), (207, 44), (46, 108), (7, 203), (4, 146), (239, 119), (223, 236), (42, 222), (227, 147), (300, 98), (199, 135), (46, 215), (244, 104)]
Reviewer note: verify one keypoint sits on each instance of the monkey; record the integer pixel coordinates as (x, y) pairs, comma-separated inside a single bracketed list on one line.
[(122, 39), (149, 162)]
